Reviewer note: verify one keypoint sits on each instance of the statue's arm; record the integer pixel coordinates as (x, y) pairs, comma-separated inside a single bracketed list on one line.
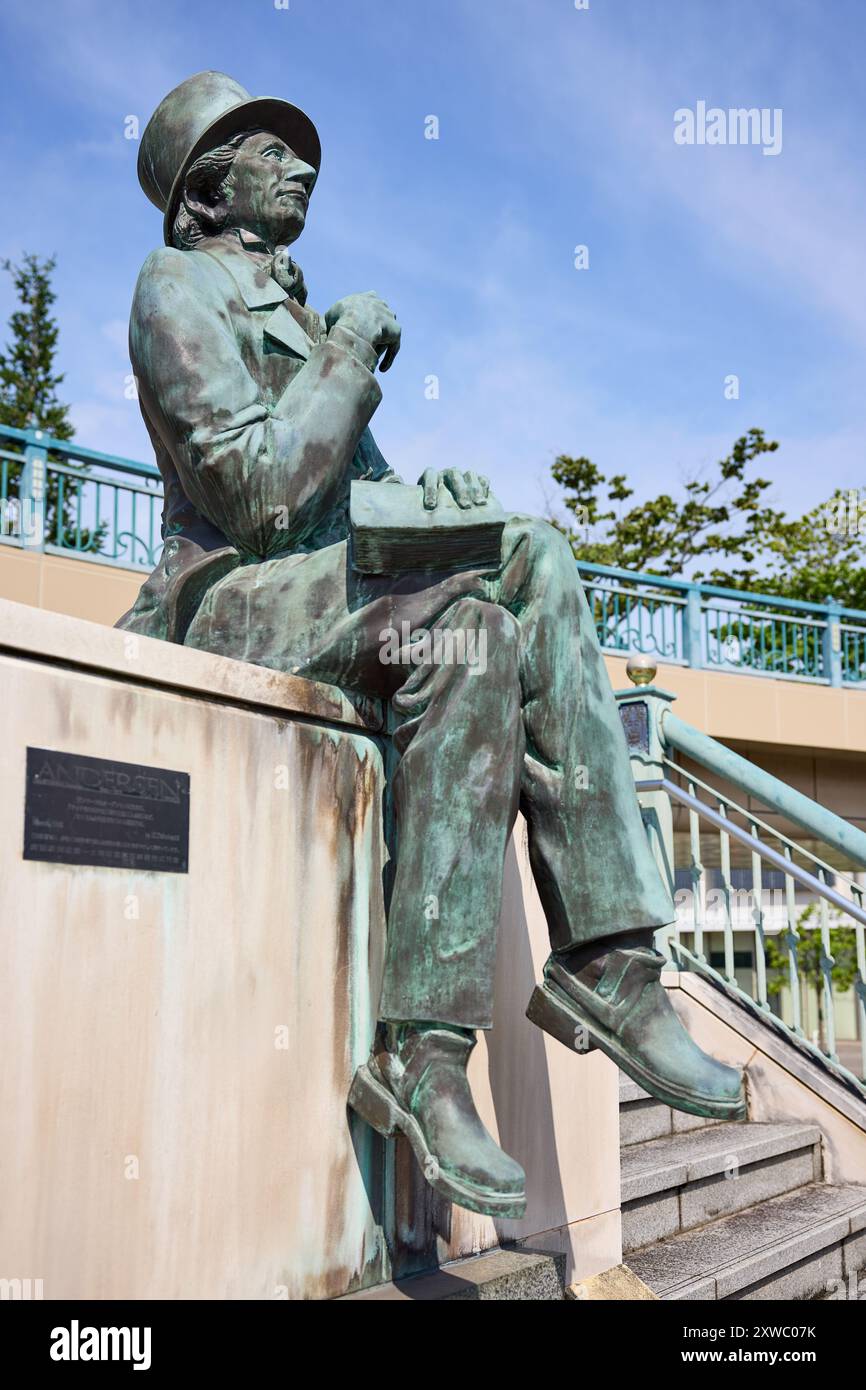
[(370, 462), (264, 476)]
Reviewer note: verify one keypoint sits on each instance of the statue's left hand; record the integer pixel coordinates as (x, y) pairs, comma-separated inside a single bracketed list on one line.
[(468, 489)]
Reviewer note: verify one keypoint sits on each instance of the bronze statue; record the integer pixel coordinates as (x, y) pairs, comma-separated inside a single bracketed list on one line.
[(259, 409)]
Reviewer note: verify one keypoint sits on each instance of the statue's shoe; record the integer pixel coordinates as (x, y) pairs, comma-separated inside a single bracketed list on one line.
[(416, 1084), (625, 1010)]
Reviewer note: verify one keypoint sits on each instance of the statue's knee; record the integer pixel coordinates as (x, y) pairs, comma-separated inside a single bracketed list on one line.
[(543, 541), (494, 630), (479, 612)]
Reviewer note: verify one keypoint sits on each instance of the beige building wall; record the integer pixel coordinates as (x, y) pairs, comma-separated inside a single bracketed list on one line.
[(760, 710), (81, 588)]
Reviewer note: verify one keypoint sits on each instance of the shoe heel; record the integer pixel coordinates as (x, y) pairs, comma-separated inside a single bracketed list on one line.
[(371, 1100), (554, 1018)]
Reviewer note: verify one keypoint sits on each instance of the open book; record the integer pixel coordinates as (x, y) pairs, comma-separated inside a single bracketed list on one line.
[(392, 532)]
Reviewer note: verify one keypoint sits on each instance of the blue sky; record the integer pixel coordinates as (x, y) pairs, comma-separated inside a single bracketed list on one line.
[(556, 129)]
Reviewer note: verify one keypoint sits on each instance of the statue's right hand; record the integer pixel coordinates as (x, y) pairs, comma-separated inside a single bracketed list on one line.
[(371, 318)]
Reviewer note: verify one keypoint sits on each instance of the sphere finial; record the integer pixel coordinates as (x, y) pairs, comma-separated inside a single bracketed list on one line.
[(641, 668)]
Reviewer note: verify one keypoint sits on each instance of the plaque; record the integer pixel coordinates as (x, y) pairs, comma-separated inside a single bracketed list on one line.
[(635, 721), (97, 812)]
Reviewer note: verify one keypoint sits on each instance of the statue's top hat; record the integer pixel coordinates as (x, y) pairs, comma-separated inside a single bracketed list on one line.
[(204, 111)]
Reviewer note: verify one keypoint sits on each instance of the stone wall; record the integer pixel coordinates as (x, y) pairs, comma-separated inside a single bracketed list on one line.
[(176, 1048)]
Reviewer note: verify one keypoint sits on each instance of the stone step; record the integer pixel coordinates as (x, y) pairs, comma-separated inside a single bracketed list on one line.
[(642, 1117), (512, 1275), (640, 1120), (630, 1091), (685, 1180), (807, 1244)]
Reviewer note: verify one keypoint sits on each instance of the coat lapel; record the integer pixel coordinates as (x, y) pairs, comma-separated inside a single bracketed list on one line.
[(283, 328), (260, 291), (251, 274)]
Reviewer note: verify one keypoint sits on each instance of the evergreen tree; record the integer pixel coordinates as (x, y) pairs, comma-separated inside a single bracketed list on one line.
[(28, 381), (28, 393)]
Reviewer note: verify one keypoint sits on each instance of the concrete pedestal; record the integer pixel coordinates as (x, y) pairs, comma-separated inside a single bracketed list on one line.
[(176, 1049)]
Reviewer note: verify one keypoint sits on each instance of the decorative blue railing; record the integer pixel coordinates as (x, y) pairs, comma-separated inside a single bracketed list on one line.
[(701, 625), (59, 498), (793, 907)]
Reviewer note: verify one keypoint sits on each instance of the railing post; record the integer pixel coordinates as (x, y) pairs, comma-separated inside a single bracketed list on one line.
[(860, 982), (32, 491), (693, 638), (832, 643), (640, 711)]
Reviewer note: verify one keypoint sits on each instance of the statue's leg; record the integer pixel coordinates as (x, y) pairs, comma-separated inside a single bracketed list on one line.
[(455, 798), (456, 788), (455, 795), (602, 893), (462, 749), (589, 852)]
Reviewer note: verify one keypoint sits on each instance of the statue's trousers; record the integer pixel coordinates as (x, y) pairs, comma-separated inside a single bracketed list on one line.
[(506, 702)]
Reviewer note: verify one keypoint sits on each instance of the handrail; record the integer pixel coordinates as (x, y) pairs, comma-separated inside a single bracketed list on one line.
[(709, 753), (39, 439), (729, 827), (709, 626), (683, 956), (755, 819), (816, 885), (650, 735), (661, 581), (78, 502)]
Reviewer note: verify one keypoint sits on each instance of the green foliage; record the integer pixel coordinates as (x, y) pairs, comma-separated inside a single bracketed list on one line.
[(818, 556), (810, 952), (719, 529), (723, 516), (810, 957), (28, 381), (28, 391)]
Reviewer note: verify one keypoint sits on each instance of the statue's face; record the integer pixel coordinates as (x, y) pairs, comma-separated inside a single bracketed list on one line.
[(269, 189)]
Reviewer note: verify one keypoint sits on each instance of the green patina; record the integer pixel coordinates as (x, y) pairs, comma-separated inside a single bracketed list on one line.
[(259, 410)]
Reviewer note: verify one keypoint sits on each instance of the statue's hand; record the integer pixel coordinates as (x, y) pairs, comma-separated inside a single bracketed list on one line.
[(467, 489), (371, 318)]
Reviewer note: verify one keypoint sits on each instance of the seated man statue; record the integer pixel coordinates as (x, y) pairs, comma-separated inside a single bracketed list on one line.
[(258, 408)]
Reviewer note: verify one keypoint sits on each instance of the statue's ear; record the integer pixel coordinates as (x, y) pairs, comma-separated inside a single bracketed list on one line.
[(209, 210)]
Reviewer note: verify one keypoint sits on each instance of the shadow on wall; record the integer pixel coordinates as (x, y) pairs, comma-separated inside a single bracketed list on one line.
[(518, 1065), (422, 1230)]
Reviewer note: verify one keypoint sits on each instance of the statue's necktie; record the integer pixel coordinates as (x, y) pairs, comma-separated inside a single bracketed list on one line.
[(288, 275), (281, 267)]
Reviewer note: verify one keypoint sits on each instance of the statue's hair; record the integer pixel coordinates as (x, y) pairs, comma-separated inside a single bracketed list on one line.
[(207, 176)]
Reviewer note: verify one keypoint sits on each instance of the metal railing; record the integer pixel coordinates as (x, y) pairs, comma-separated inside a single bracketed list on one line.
[(788, 957), (702, 625), (60, 498)]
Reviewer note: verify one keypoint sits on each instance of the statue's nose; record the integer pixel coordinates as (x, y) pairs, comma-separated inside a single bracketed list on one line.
[(299, 172)]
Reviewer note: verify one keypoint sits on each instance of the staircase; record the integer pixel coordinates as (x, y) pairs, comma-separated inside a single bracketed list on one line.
[(718, 1211)]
